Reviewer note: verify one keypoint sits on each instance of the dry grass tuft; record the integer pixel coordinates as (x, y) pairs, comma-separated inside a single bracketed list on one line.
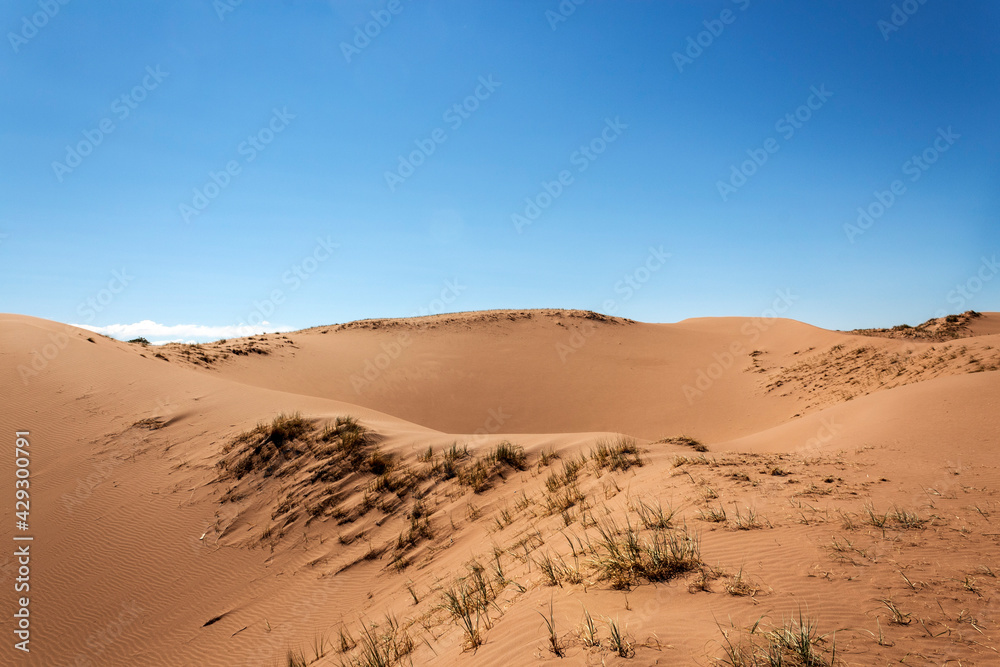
[(469, 599), (740, 585), (266, 447), (479, 475), (684, 441), (618, 453), (794, 643), (624, 557), (382, 645), (895, 517)]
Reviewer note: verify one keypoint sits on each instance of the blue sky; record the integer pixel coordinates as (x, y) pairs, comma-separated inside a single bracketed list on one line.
[(651, 113)]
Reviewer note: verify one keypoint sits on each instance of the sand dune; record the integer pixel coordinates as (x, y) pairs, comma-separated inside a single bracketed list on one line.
[(561, 371), (848, 474)]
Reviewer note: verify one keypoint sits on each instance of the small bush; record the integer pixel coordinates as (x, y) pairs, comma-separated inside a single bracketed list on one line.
[(622, 557), (456, 453), (652, 515), (480, 473), (506, 453), (546, 456), (589, 631), (900, 518), (793, 643), (382, 646), (550, 624), (618, 640), (469, 599), (700, 460), (477, 476), (265, 447), (562, 500), (739, 585), (285, 428), (619, 453), (747, 521), (419, 528), (379, 463), (713, 515), (686, 441), (348, 433)]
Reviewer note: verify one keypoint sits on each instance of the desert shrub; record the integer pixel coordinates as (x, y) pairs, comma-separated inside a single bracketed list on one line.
[(623, 557), (686, 441), (796, 642), (477, 476), (265, 447), (469, 599), (509, 454), (618, 453), (480, 473)]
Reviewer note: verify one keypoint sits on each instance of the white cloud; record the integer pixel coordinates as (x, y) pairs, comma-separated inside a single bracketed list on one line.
[(160, 334)]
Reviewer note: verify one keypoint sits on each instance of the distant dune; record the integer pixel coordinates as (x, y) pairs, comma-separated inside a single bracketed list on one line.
[(441, 490)]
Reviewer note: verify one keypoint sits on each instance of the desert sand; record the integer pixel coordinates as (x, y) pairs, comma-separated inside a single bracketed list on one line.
[(471, 488)]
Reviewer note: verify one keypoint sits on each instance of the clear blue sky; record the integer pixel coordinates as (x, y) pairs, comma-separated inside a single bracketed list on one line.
[(329, 121)]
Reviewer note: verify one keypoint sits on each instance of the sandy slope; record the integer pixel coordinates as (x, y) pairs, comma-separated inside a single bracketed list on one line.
[(141, 538)]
